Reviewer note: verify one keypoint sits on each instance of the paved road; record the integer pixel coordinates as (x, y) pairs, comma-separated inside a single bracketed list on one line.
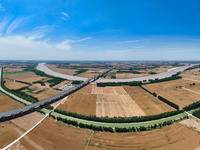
[(169, 73)]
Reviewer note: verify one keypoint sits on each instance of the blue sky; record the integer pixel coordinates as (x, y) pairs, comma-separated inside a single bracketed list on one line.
[(100, 29)]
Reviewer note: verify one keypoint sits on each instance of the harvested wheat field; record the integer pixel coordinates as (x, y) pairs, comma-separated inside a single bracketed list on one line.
[(129, 75), (51, 135), (14, 85), (61, 70), (7, 134), (171, 91), (80, 103), (192, 122), (26, 77), (7, 103), (27, 121), (46, 94), (174, 137), (12, 69), (193, 74), (147, 102), (86, 90), (87, 74), (117, 106), (114, 101), (109, 90)]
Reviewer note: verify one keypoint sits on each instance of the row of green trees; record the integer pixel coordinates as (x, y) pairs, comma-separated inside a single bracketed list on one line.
[(192, 106), (119, 119), (154, 94), (117, 129), (139, 83), (168, 102), (196, 113), (76, 82), (134, 83), (174, 77)]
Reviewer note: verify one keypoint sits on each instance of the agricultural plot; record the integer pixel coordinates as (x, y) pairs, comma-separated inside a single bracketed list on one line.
[(28, 77), (114, 101), (7, 134), (172, 137), (87, 74), (7, 103), (46, 94), (51, 135), (12, 69), (147, 102), (193, 74), (80, 103), (174, 91), (14, 85), (128, 75)]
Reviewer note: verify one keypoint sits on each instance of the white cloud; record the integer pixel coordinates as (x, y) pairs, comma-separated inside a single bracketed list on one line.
[(24, 47), (8, 26), (130, 41), (65, 14), (15, 24), (3, 25)]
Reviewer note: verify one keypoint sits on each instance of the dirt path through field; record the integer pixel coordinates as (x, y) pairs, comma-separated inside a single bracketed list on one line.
[(36, 146), (190, 90), (191, 80)]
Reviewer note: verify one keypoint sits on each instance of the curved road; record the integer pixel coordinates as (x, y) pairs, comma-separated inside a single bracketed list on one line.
[(169, 73)]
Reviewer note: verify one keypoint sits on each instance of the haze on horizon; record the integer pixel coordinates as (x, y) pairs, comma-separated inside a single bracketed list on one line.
[(100, 30)]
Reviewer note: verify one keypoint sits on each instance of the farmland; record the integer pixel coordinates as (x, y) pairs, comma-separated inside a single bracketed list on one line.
[(173, 137), (108, 101), (175, 92)]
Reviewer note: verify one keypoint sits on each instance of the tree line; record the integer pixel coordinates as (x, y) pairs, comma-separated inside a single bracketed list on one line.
[(116, 129), (119, 119), (192, 106), (168, 102)]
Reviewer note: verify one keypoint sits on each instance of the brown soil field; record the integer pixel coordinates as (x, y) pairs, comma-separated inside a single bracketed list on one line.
[(112, 90), (26, 77), (87, 74), (6, 103), (192, 123), (147, 102), (191, 74), (14, 85), (80, 103), (129, 75), (117, 105), (51, 135), (46, 94), (61, 70), (114, 101), (86, 90), (195, 88), (173, 137), (169, 91), (27, 121), (12, 69), (7, 134)]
